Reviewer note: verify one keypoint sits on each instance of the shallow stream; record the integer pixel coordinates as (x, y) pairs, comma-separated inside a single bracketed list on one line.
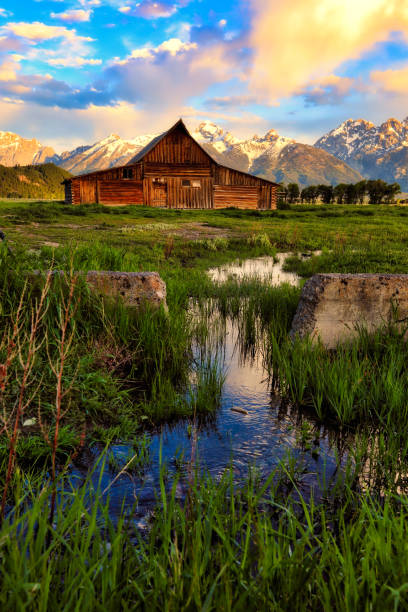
[(250, 428)]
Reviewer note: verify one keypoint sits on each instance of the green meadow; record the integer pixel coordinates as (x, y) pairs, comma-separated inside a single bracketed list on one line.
[(76, 371)]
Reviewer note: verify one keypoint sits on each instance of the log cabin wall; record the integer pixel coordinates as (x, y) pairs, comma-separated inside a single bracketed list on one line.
[(68, 192), (198, 194), (268, 197), (76, 191), (241, 190), (120, 192), (228, 176), (238, 196)]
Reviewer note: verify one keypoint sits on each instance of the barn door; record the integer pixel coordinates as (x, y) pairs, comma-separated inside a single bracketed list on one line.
[(88, 192), (159, 192)]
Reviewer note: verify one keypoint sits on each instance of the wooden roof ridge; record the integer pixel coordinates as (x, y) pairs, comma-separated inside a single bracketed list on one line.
[(153, 143)]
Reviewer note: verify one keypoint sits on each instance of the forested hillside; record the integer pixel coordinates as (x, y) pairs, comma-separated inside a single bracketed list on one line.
[(39, 181)]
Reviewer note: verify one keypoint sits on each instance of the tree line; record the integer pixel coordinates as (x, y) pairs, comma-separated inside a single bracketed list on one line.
[(43, 181), (375, 191)]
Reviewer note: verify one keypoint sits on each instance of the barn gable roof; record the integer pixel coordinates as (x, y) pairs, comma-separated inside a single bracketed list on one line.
[(180, 123), (152, 144)]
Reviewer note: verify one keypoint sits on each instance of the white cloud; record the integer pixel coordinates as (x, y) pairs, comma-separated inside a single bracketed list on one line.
[(38, 31), (65, 62), (392, 81), (173, 47), (149, 9), (73, 16), (5, 13)]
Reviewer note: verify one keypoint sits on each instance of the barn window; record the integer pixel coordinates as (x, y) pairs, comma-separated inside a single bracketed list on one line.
[(196, 184), (185, 183), (127, 173), (158, 182)]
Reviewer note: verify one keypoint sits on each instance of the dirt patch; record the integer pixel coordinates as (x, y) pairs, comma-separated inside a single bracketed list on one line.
[(197, 231)]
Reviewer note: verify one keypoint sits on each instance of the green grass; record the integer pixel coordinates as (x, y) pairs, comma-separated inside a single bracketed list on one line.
[(133, 227), (362, 382), (258, 546)]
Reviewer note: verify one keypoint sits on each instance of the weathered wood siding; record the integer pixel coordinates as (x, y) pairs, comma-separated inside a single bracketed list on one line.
[(177, 147), (268, 197), (113, 174), (179, 196), (239, 196), (182, 170), (76, 191), (68, 192), (227, 176), (87, 191), (172, 193), (120, 192)]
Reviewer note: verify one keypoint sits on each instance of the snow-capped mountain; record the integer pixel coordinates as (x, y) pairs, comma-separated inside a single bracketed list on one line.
[(275, 157), (242, 151), (374, 151), (109, 152), (15, 150)]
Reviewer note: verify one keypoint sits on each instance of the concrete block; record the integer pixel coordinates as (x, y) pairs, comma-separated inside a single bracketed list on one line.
[(134, 288), (334, 306)]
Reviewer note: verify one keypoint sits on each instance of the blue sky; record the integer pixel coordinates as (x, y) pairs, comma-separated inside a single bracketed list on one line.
[(73, 71)]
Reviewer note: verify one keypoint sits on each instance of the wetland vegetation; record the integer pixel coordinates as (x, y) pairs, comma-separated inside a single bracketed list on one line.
[(88, 383)]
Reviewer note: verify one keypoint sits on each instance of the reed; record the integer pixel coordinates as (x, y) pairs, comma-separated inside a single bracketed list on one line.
[(253, 547)]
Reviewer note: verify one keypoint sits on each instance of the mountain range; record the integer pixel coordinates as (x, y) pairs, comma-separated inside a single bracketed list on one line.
[(374, 151), (356, 149)]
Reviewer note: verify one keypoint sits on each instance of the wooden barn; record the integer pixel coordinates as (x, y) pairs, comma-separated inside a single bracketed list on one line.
[(172, 171)]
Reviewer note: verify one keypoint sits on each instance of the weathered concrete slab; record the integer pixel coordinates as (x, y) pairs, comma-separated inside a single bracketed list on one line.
[(334, 306), (134, 288)]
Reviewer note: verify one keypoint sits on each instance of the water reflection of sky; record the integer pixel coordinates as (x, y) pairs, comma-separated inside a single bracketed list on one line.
[(263, 438), (262, 268)]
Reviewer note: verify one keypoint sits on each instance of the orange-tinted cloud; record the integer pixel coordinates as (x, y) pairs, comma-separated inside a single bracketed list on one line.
[(296, 41), (393, 81)]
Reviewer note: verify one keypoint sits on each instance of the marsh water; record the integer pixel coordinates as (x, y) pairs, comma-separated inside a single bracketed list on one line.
[(250, 429)]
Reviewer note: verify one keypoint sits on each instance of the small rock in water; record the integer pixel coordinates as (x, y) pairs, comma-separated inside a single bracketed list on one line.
[(240, 410), (29, 422)]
